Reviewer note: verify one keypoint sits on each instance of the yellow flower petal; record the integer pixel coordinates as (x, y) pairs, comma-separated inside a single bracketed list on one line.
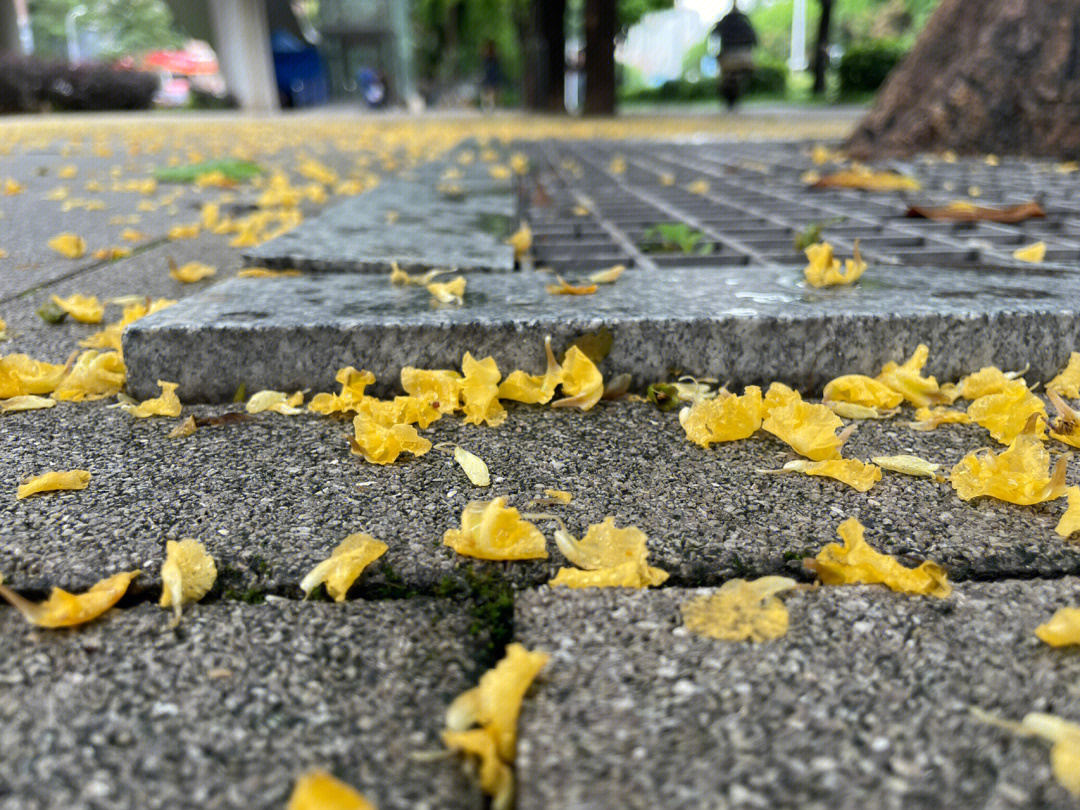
[(908, 381), (1065, 427), (53, 481), (480, 391), (95, 375), (1070, 520), (133, 235), (856, 562), (318, 790), (26, 402), (1062, 630), (863, 178), (475, 468), (723, 418), (612, 557), (177, 232), (582, 381), (1021, 474), (560, 495), (111, 254), (83, 308), (353, 385), (184, 429), (494, 704), (608, 276), (21, 375), (63, 609), (168, 404), (810, 430), (859, 389), (276, 401), (448, 292), (626, 575), (495, 776), (187, 574), (341, 569), (442, 387), (69, 245), (490, 530), (740, 611), (1065, 752), (533, 389), (700, 186), (1006, 413), (850, 471), (1032, 253), (1067, 383), (985, 381), (521, 240), (932, 418), (566, 288), (908, 465), (824, 270), (192, 271), (849, 410), (382, 445)]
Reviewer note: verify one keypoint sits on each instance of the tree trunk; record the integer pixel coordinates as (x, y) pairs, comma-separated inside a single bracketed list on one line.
[(821, 52), (555, 43), (546, 56), (600, 23), (998, 76)]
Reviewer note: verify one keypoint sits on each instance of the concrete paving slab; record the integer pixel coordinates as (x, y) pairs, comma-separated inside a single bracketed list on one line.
[(29, 221), (272, 497), (411, 222), (144, 274), (227, 710), (738, 324), (866, 702)]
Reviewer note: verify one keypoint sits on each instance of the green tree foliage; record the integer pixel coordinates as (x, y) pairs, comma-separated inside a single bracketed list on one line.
[(450, 34), (854, 21), (122, 26)]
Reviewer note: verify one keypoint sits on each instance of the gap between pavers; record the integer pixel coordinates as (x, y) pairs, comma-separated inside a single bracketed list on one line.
[(736, 324), (228, 709), (865, 702), (144, 274), (271, 497)]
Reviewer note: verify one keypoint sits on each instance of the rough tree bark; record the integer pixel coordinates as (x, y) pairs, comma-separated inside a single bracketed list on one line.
[(600, 27), (821, 52), (999, 76)]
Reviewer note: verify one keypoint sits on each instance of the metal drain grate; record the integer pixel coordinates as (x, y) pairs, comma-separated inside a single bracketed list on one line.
[(594, 203)]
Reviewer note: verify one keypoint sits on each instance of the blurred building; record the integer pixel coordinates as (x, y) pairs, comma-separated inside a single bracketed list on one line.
[(271, 53)]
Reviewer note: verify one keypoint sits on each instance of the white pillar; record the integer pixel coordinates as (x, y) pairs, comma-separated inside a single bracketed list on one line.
[(798, 37), (242, 42)]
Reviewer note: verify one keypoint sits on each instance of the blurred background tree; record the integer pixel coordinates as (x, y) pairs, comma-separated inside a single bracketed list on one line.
[(108, 29)]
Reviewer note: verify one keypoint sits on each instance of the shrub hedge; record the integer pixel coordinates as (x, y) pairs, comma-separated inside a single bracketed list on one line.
[(28, 85)]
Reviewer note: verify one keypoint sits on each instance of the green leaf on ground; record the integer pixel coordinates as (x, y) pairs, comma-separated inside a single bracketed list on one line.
[(675, 237), (237, 171), (51, 313)]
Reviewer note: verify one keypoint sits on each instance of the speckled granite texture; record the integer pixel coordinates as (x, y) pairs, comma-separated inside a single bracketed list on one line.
[(746, 325), (865, 703), (228, 709), (272, 496), (403, 220)]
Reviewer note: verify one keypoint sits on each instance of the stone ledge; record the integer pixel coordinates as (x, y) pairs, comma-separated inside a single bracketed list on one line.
[(737, 324)]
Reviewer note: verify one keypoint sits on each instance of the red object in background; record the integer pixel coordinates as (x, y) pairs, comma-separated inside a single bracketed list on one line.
[(182, 63)]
